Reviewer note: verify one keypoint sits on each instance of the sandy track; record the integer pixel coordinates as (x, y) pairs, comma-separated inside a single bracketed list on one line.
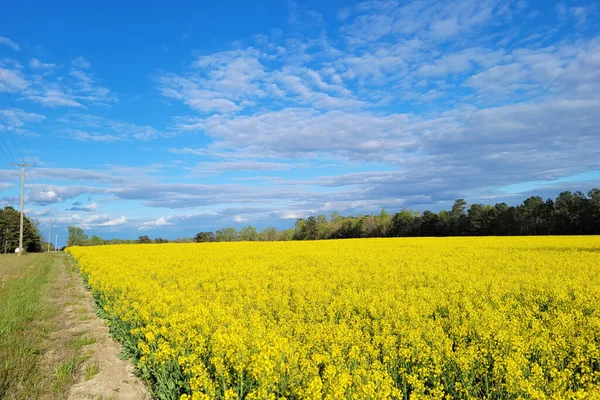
[(112, 377)]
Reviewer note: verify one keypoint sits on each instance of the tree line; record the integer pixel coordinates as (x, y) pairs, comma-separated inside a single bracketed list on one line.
[(9, 232), (571, 213)]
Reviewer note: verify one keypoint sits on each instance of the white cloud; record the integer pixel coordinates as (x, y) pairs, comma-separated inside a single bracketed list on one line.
[(53, 99), (45, 197), (81, 62), (79, 207), (293, 214), (24, 118), (113, 222), (231, 81), (90, 221), (428, 100), (444, 28), (49, 194), (46, 86), (295, 131), (239, 165), (91, 128), (500, 78), (14, 80), (80, 175), (94, 137), (7, 42), (157, 223), (37, 64)]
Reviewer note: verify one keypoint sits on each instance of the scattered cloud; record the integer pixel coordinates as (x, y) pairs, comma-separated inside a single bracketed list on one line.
[(81, 62), (14, 80), (91, 128), (46, 86), (50, 194), (395, 104), (7, 42), (157, 223), (111, 222), (80, 207), (9, 117), (54, 99), (238, 165), (37, 64)]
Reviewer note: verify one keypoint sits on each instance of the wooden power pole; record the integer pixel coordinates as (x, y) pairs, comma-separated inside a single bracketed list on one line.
[(22, 165)]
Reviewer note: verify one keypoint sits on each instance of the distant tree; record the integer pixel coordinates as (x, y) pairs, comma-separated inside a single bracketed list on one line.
[(44, 246), (144, 239), (161, 240), (368, 226), (459, 220), (480, 218), (299, 229), (95, 241), (309, 230), (269, 234), (458, 208), (430, 224), (349, 228), (335, 217), (227, 235), (533, 210), (205, 237), (445, 223), (323, 227), (248, 234), (384, 223), (76, 236), (288, 234), (570, 213), (594, 204), (183, 240), (403, 223), (547, 217)]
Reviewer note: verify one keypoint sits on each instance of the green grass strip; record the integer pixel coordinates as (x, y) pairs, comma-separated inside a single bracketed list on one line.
[(21, 338)]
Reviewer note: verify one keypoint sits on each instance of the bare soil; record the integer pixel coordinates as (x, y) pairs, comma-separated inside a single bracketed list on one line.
[(81, 345)]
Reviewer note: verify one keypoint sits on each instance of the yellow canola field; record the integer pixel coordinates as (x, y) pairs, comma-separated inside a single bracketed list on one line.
[(414, 318)]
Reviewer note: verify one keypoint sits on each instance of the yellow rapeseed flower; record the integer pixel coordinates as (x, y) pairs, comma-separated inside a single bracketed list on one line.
[(419, 318)]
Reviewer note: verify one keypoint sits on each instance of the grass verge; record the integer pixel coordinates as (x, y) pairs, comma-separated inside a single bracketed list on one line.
[(25, 282), (64, 374)]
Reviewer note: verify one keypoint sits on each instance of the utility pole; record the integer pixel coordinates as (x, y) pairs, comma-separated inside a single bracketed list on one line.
[(49, 240), (56, 243), (22, 165)]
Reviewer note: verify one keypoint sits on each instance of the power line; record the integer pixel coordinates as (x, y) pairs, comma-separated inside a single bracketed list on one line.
[(20, 126), (12, 156), (11, 137), (3, 152), (32, 189), (13, 109)]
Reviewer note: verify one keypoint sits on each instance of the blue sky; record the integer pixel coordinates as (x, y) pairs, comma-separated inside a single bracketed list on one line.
[(167, 120)]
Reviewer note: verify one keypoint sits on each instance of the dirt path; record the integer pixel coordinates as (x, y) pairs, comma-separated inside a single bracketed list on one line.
[(93, 370)]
